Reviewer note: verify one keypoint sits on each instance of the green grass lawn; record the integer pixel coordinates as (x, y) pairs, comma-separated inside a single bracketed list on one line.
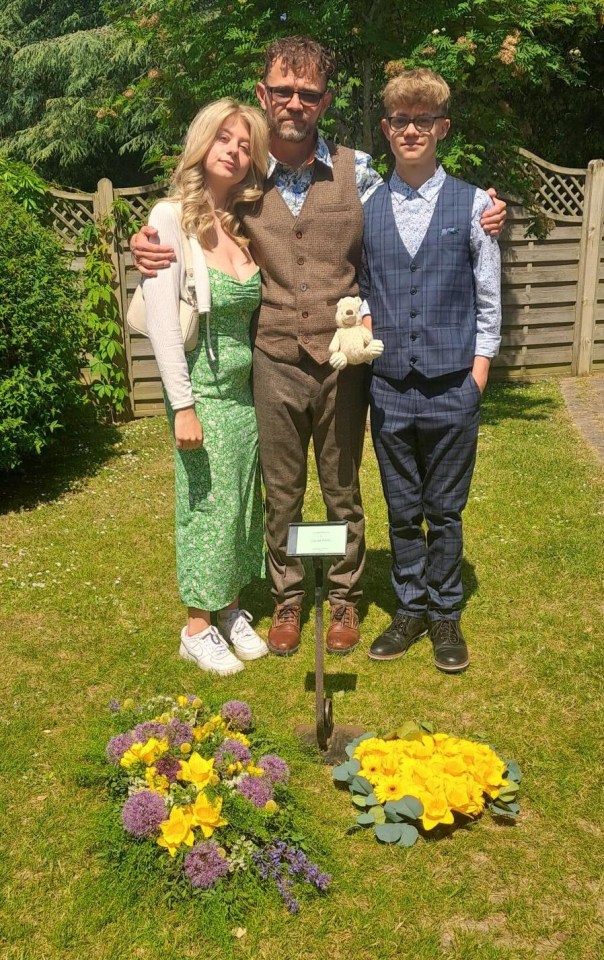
[(90, 611)]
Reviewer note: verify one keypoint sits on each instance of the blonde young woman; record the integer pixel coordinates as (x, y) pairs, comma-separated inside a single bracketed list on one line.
[(219, 533)]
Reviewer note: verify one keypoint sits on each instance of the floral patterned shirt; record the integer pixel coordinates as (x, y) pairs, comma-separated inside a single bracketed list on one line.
[(293, 185)]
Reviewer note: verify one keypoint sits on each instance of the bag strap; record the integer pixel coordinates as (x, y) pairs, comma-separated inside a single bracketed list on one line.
[(188, 259)]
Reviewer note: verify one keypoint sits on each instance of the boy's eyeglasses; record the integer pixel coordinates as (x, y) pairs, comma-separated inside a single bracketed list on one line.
[(422, 124), (309, 98)]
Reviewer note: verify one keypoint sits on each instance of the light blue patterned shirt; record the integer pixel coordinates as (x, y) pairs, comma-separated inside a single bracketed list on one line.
[(413, 210), (293, 185)]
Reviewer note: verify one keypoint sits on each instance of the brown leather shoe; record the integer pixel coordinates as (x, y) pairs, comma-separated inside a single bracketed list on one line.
[(343, 634), (284, 634)]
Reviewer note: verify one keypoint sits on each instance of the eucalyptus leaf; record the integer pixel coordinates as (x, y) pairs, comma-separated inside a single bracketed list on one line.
[(354, 743), (365, 819), (359, 800), (361, 785), (415, 805), (407, 730), (392, 814), (388, 832), (513, 771), (378, 813), (342, 774), (372, 800), (409, 835), (427, 725)]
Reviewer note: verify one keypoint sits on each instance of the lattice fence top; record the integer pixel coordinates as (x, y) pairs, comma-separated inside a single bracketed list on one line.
[(139, 201), (561, 190), (70, 213)]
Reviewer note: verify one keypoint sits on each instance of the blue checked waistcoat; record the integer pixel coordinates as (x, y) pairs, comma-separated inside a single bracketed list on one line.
[(423, 307)]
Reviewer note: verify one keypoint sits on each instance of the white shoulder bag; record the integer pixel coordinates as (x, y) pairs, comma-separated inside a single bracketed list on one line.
[(189, 314)]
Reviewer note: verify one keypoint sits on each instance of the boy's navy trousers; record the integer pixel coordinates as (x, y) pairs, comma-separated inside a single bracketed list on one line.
[(425, 433)]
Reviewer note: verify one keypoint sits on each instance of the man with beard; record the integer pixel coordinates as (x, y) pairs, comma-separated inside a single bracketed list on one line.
[(306, 237)]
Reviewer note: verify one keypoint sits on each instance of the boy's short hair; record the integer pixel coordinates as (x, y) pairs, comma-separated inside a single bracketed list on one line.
[(301, 55), (421, 86)]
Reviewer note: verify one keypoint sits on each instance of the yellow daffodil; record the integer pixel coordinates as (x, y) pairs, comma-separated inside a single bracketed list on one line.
[(198, 771), (206, 814), (146, 753), (182, 701), (176, 830)]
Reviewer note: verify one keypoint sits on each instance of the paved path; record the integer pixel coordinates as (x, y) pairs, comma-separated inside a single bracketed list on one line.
[(584, 398)]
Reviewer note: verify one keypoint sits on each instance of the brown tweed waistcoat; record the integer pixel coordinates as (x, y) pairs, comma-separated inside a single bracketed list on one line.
[(307, 262)]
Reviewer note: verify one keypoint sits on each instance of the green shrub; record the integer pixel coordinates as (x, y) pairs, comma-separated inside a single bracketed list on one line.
[(41, 336)]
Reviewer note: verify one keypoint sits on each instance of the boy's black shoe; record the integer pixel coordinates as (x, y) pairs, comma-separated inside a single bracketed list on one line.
[(402, 633), (450, 651)]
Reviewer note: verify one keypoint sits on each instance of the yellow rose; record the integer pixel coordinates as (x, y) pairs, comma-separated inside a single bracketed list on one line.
[(206, 814), (176, 830)]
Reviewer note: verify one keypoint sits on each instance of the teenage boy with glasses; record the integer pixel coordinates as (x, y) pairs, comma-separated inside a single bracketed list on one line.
[(306, 237), (431, 279)]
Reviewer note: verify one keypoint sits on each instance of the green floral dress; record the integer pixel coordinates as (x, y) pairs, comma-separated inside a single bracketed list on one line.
[(219, 522)]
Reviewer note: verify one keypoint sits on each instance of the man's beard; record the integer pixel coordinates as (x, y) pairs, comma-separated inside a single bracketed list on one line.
[(289, 133)]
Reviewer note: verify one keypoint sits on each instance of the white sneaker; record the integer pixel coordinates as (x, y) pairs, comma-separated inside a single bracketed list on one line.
[(209, 651), (235, 626)]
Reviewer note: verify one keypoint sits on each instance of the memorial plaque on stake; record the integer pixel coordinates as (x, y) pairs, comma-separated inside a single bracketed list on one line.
[(318, 541)]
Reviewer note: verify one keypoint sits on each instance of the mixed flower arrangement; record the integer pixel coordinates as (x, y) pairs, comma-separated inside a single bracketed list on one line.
[(197, 785), (414, 780)]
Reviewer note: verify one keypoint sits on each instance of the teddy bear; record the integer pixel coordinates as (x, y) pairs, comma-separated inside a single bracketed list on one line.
[(352, 343)]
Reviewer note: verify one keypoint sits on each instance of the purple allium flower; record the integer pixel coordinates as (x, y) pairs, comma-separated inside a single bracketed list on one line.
[(232, 751), (169, 767), (150, 728), (275, 768), (204, 864), (178, 732), (257, 790), (143, 812), (113, 706), (237, 714), (117, 746)]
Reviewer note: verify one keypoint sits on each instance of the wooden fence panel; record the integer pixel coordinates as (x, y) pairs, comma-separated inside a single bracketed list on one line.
[(552, 289)]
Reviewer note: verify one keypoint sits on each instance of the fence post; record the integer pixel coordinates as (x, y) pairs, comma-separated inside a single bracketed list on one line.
[(102, 205), (589, 263)]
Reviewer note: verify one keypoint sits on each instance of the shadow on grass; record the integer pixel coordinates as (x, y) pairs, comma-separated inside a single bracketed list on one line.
[(377, 589), (78, 454), (511, 400), (377, 583)]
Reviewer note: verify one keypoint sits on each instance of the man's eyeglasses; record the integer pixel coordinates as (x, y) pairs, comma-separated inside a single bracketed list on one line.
[(308, 98), (422, 124)]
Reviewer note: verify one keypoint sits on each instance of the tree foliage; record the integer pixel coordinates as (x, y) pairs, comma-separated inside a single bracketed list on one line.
[(100, 85)]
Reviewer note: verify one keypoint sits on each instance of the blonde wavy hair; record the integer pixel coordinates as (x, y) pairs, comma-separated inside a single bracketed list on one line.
[(422, 88), (188, 181)]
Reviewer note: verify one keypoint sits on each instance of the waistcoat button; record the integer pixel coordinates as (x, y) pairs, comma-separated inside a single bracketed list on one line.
[(413, 360), (299, 234), (413, 336), (413, 267), (303, 286), (413, 290), (305, 315), (305, 339), (300, 260), (413, 314)]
